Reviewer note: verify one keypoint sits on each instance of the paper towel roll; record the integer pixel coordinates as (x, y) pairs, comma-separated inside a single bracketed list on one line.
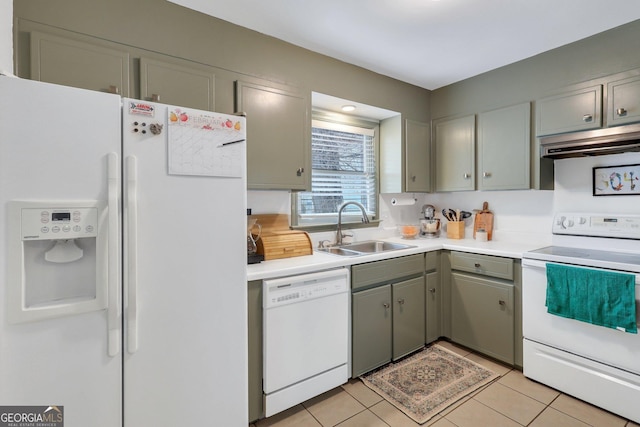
[(405, 201)]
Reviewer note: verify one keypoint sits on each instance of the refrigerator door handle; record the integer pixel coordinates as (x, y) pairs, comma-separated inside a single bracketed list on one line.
[(131, 278), (113, 254)]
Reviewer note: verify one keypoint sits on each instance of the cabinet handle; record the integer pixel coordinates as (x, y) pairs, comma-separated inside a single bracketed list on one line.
[(386, 305), (155, 97), (432, 290), (466, 176), (621, 112), (299, 171), (401, 301), (114, 89), (486, 174), (476, 265), (587, 118), (502, 302), (413, 178)]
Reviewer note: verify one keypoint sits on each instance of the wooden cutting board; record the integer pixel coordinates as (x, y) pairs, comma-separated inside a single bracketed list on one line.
[(484, 221)]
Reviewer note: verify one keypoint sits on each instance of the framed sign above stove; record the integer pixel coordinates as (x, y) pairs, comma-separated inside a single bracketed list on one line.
[(621, 180)]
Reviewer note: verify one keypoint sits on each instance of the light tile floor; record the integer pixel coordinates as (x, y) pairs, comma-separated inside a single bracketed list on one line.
[(511, 401)]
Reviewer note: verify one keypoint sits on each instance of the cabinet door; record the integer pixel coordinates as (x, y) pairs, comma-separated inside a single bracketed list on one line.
[(504, 137), (569, 111), (184, 84), (371, 329), (278, 137), (386, 271), (454, 163), (417, 156), (482, 315), (408, 316), (254, 315), (78, 63), (623, 101), (433, 305)]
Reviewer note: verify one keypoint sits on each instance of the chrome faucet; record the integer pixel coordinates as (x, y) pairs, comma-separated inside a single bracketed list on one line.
[(365, 219)]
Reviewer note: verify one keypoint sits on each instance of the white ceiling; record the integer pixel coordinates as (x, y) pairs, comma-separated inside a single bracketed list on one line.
[(429, 43)]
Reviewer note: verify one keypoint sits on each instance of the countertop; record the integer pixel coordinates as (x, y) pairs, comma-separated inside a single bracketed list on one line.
[(510, 245)]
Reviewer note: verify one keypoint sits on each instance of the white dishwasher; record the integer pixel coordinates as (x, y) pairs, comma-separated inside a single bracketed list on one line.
[(306, 337)]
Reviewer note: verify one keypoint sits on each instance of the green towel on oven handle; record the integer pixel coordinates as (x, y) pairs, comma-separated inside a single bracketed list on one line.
[(601, 297)]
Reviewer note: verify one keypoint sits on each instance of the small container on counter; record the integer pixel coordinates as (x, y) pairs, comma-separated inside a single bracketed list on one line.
[(482, 235), (409, 231), (455, 229)]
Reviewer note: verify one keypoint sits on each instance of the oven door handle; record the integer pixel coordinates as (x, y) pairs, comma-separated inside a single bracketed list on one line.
[(534, 263)]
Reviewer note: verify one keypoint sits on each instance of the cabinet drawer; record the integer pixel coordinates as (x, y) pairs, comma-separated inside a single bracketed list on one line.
[(483, 264), (379, 272)]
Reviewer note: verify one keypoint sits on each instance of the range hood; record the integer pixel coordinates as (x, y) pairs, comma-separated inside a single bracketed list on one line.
[(614, 140)]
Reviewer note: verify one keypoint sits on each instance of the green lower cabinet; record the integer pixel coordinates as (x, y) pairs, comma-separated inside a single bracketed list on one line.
[(254, 317), (408, 316), (433, 307), (371, 329), (388, 323), (482, 315)]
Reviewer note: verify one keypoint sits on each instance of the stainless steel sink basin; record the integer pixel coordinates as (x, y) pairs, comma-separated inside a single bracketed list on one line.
[(364, 248), (336, 250), (372, 246)]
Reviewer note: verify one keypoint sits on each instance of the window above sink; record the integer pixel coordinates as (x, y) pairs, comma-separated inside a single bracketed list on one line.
[(345, 165)]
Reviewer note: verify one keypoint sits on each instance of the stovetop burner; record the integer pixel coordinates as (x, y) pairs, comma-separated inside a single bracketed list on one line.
[(622, 261)]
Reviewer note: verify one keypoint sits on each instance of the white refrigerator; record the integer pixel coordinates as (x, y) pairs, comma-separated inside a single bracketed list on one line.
[(123, 261)]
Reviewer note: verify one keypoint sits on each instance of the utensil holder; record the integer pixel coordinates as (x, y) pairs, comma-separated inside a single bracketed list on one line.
[(455, 229)]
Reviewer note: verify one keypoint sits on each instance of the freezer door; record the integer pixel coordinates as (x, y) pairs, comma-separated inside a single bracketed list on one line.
[(185, 269), (55, 146)]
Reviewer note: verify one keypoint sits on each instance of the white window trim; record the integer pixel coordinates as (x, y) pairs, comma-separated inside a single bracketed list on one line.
[(350, 219)]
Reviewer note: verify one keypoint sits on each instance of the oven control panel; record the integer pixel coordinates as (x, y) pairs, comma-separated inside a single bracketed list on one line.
[(599, 225)]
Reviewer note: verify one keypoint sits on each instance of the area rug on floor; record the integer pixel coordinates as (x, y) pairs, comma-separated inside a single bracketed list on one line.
[(427, 382)]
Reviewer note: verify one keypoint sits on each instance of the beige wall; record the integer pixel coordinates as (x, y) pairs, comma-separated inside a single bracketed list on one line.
[(606, 53), (164, 27), (6, 36)]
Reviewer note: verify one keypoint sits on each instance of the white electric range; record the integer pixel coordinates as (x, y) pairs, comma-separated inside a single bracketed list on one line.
[(597, 364)]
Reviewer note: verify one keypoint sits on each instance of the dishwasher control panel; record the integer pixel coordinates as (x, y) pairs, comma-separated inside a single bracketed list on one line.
[(290, 290)]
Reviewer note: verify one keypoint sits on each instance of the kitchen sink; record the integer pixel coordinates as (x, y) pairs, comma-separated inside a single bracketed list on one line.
[(337, 250), (364, 248)]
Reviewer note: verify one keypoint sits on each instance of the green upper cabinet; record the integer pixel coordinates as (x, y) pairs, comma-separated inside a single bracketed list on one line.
[(77, 63), (90, 63), (569, 111), (405, 156), (623, 104), (177, 82), (278, 136), (417, 137), (504, 137), (454, 147)]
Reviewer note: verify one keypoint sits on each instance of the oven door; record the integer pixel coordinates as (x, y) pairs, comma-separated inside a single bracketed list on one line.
[(605, 345)]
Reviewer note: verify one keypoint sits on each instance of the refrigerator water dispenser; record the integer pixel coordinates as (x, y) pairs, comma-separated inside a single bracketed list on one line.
[(58, 261)]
